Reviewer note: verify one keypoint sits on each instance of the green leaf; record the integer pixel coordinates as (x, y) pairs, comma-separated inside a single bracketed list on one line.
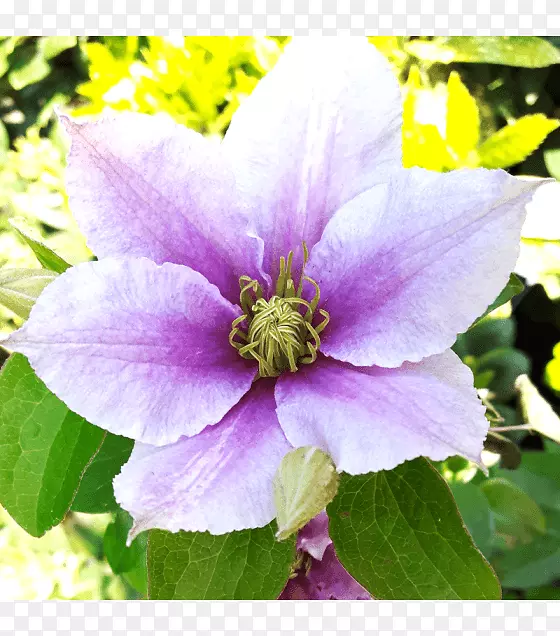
[(476, 514), (48, 259), (305, 482), (488, 334), (123, 558), (514, 286), (95, 494), (517, 515), (533, 564), (32, 70), (525, 51), (515, 142), (20, 288), (537, 412), (399, 533), (44, 449), (538, 476), (507, 364), (463, 121), (249, 564), (54, 45)]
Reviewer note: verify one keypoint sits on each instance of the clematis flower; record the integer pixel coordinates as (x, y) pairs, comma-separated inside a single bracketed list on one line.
[(290, 286), (318, 575)]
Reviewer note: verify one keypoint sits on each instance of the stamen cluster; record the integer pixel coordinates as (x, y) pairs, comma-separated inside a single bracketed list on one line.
[(279, 332)]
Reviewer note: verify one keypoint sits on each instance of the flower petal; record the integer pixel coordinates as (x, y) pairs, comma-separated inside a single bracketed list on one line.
[(321, 127), (220, 480), (141, 185), (138, 349), (314, 538), (371, 419), (405, 267), (327, 580)]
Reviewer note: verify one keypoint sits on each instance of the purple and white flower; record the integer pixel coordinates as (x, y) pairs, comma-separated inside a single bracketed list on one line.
[(291, 286), (318, 575)]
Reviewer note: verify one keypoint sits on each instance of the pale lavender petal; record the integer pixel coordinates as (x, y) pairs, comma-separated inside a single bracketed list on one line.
[(371, 419), (321, 127), (327, 580), (314, 538), (146, 186), (405, 267), (138, 349), (220, 480)]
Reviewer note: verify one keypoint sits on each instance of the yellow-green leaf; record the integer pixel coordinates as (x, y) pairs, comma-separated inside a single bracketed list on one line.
[(524, 51), (20, 288), (515, 142), (423, 144), (463, 120), (306, 481)]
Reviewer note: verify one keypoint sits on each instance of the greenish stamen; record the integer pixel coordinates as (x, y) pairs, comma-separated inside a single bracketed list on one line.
[(280, 333)]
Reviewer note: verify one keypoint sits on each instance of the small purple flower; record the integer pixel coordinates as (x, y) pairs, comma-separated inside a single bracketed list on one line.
[(318, 575), (156, 342)]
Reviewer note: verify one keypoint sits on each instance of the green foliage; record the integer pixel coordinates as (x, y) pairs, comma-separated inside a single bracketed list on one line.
[(123, 558), (44, 452), (249, 564), (95, 494), (400, 535), (515, 513), (48, 259), (20, 288), (530, 52), (513, 288), (476, 513), (37, 74)]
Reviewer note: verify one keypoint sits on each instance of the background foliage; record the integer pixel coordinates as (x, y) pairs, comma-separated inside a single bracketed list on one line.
[(468, 102)]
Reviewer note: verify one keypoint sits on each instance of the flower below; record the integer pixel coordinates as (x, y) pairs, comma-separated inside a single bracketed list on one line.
[(280, 332), (317, 574)]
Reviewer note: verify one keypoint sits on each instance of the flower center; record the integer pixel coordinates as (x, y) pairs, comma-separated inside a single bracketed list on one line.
[(279, 333)]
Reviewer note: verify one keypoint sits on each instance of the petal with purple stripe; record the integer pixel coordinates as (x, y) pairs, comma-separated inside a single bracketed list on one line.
[(371, 419), (218, 481), (136, 348)]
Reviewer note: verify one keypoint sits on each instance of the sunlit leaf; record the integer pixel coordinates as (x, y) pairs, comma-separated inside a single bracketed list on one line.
[(515, 142), (526, 51), (463, 121)]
